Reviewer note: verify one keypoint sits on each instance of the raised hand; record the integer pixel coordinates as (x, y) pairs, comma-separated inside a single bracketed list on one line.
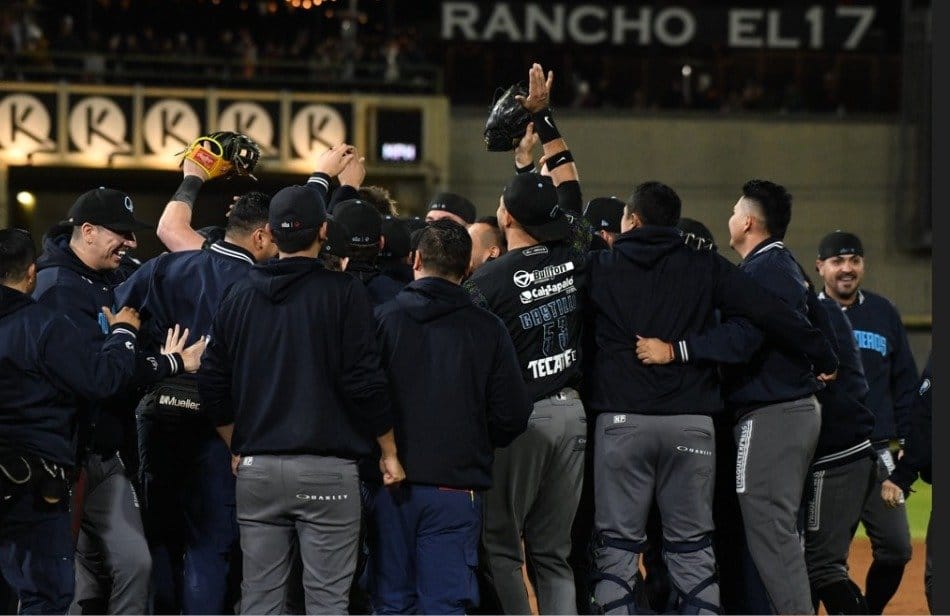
[(539, 89)]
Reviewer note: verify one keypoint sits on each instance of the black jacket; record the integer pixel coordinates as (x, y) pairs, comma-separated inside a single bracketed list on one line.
[(455, 383), (757, 372), (293, 363), (380, 288), (846, 423), (45, 362), (652, 285), (918, 456), (184, 288), (67, 286)]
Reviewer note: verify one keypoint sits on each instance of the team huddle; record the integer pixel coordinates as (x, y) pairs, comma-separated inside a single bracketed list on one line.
[(320, 407)]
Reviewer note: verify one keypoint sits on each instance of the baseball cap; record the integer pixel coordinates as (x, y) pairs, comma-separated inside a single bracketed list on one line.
[(840, 243), (532, 200), (691, 225), (363, 221), (105, 207), (415, 222), (604, 213), (396, 233), (295, 208), (337, 243), (454, 204)]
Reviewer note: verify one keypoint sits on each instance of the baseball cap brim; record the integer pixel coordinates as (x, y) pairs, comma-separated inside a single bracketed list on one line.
[(556, 230), (134, 225)]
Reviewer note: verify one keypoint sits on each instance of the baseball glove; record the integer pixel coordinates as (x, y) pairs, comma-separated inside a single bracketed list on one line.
[(507, 120), (223, 153)]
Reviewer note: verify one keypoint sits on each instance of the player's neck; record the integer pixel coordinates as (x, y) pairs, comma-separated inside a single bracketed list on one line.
[(518, 238)]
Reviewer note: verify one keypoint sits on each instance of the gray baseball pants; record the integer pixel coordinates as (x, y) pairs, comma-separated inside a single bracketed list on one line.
[(775, 447), (537, 486), (674, 458), (314, 499), (113, 564), (835, 497), (887, 527)]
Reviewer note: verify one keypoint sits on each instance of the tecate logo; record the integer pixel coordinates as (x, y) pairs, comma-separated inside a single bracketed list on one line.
[(547, 290), (524, 278)]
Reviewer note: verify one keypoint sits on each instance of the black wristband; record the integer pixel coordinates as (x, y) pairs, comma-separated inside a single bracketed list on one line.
[(544, 125), (561, 158), (188, 190), (526, 169)]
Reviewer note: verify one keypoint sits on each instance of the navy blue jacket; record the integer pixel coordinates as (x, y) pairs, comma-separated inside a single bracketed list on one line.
[(67, 286), (918, 456), (293, 363), (758, 373), (888, 364), (45, 362), (655, 286), (379, 287), (455, 383), (184, 288), (846, 423)]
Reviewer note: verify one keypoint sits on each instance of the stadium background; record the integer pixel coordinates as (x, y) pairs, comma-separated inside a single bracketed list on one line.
[(830, 98)]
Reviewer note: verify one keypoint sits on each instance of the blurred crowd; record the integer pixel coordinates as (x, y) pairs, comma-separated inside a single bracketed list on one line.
[(275, 44)]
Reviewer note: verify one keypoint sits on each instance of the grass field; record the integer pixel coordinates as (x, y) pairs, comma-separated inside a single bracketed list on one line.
[(918, 511)]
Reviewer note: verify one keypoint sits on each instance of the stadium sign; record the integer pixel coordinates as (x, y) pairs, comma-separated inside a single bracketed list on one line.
[(787, 26)]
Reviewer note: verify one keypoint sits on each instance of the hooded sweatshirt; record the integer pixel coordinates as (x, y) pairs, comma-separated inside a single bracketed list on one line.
[(293, 363), (653, 285), (455, 384), (45, 362), (69, 287)]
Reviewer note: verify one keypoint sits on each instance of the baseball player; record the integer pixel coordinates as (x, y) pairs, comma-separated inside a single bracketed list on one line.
[(535, 289), (604, 214), (447, 429), (892, 380), (770, 391), (654, 430), (300, 426)]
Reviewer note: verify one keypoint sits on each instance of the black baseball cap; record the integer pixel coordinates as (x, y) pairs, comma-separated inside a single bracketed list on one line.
[(454, 204), (295, 208), (363, 221), (338, 237), (105, 207), (604, 213), (396, 233), (839, 243), (415, 223), (532, 200)]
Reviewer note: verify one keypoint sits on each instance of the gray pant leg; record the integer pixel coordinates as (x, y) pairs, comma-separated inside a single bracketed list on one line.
[(266, 535), (315, 498), (520, 475), (547, 527), (112, 554), (685, 482), (623, 484), (328, 528), (835, 498), (776, 444), (887, 528)]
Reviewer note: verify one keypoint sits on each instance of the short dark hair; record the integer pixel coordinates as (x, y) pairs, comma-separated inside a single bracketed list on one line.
[(776, 204), (296, 241), (17, 253), (363, 254), (249, 213), (331, 262), (379, 198), (445, 248), (497, 234), (655, 203)]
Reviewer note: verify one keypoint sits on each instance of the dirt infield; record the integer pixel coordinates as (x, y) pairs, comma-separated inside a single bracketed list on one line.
[(910, 597)]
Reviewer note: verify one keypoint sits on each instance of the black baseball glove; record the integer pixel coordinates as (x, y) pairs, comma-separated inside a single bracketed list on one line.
[(507, 120)]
